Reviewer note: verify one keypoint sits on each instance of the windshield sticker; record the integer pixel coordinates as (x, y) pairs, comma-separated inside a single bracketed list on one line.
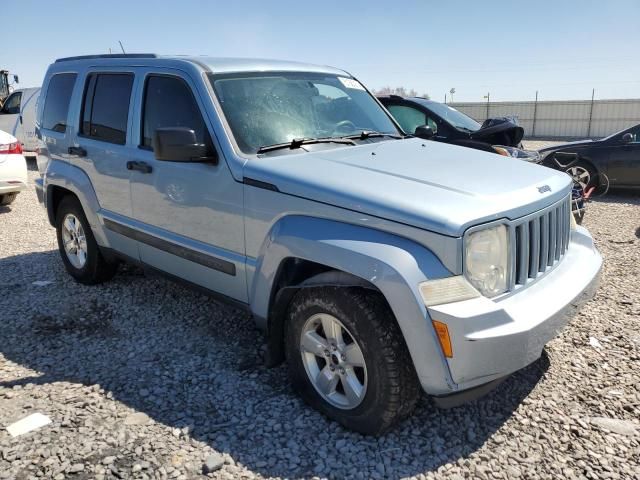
[(351, 83)]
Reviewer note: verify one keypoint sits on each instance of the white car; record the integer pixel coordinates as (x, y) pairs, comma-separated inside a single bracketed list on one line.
[(13, 168), (18, 117)]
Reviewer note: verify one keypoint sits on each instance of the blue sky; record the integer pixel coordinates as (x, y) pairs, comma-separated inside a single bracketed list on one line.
[(562, 48)]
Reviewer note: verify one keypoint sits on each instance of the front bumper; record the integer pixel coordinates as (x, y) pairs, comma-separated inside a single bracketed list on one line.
[(494, 338)]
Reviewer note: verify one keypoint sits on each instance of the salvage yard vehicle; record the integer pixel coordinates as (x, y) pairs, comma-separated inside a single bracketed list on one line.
[(613, 161), (444, 123), (376, 263), (13, 169), (18, 117)]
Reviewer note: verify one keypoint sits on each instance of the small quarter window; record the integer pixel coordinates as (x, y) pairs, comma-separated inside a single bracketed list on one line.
[(105, 110), (56, 106)]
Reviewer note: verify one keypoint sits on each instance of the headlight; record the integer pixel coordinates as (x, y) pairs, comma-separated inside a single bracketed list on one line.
[(486, 260), (528, 155)]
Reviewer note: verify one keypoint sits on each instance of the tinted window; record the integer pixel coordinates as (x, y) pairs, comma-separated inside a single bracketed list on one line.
[(409, 118), (168, 102), (56, 105), (106, 107), (12, 105)]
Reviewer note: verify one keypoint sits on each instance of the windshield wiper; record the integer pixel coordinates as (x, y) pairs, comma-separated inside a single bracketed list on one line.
[(363, 135), (299, 142)]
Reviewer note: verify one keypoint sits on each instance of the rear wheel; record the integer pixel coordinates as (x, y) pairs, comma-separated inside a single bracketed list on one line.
[(78, 248), (348, 359), (7, 198)]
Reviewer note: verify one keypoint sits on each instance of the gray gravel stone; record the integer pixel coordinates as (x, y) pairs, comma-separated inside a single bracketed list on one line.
[(144, 379), (213, 462)]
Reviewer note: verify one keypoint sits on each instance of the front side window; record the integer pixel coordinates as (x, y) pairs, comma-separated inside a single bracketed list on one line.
[(169, 102), (56, 105), (409, 118), (105, 109), (12, 105), (271, 108)]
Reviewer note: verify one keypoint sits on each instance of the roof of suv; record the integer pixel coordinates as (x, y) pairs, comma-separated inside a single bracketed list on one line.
[(214, 64)]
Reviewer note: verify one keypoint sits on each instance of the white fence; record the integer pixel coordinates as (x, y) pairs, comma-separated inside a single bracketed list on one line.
[(579, 118)]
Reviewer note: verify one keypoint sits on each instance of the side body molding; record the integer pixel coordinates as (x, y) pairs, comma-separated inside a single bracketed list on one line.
[(393, 264), (74, 179)]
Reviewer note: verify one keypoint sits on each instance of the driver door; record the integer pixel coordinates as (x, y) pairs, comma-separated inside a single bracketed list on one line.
[(624, 160), (10, 114), (189, 215)]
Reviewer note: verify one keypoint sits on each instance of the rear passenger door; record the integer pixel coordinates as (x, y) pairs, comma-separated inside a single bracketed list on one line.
[(102, 146), (189, 215)]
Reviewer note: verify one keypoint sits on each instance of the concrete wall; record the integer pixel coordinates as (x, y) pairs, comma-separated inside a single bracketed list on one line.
[(562, 118)]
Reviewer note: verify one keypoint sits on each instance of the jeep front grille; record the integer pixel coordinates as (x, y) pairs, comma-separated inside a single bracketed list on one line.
[(538, 242)]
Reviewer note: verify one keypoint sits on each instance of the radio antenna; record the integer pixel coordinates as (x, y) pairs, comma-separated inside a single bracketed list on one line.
[(121, 46)]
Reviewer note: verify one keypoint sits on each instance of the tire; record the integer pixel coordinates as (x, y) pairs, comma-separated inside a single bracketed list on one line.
[(95, 269), (583, 173), (390, 384), (7, 199)]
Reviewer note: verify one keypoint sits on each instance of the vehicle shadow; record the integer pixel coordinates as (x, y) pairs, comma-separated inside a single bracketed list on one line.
[(189, 362)]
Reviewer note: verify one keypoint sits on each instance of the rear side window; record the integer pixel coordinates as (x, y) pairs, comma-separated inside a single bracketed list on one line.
[(169, 102), (105, 110), (56, 105)]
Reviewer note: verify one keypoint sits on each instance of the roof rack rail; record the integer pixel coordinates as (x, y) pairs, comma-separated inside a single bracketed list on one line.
[(108, 55)]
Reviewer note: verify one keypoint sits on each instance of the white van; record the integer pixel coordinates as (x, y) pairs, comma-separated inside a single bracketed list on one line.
[(18, 118)]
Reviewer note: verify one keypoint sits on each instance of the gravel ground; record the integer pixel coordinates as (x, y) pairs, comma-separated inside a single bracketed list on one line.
[(143, 378)]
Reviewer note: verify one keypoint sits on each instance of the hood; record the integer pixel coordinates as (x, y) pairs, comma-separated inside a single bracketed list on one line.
[(499, 131), (430, 185), (577, 143)]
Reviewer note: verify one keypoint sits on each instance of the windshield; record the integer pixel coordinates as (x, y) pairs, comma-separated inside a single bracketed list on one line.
[(271, 108), (454, 117)]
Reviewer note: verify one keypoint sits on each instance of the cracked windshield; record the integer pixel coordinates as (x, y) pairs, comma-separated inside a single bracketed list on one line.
[(264, 110)]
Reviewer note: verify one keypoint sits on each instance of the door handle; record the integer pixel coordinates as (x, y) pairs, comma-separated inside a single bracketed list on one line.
[(142, 167), (20, 119), (79, 151)]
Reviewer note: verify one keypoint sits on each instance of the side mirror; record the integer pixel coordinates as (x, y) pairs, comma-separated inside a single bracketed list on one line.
[(16, 79), (179, 144), (425, 132), (627, 138)]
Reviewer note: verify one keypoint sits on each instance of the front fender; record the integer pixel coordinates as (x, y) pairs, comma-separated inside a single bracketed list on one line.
[(393, 264), (71, 178)]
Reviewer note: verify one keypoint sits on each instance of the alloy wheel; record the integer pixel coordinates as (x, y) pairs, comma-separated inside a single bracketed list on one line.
[(333, 361), (74, 241)]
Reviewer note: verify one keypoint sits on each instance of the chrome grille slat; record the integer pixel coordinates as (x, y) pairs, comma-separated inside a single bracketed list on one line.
[(553, 230), (544, 243), (523, 254), (539, 242), (535, 247)]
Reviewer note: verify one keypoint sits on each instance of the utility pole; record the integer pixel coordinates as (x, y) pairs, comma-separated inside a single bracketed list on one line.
[(488, 97), (535, 113), (593, 93)]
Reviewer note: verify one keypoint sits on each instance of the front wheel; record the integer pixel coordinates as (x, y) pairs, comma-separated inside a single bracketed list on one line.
[(78, 248), (582, 174), (348, 359)]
